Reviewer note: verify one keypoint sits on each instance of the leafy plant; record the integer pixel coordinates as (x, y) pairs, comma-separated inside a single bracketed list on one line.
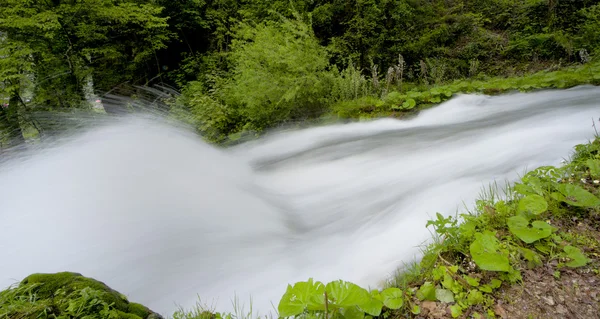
[(487, 253), (520, 227)]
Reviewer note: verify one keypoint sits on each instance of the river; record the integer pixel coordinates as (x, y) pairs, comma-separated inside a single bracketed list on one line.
[(159, 215)]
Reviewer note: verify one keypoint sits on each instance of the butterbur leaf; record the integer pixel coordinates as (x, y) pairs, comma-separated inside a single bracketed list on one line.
[(486, 254), (372, 306), (594, 165), (409, 104), (393, 298), (577, 257), (376, 294), (301, 296), (344, 294), (519, 226), (577, 196), (426, 292), (352, 313), (534, 204), (444, 295)]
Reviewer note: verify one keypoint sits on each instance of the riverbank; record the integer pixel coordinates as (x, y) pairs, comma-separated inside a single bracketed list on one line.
[(530, 254), (415, 97), (418, 97)]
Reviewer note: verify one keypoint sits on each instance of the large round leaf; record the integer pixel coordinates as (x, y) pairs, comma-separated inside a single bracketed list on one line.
[(519, 226), (534, 204), (486, 253), (345, 294), (393, 298), (577, 196)]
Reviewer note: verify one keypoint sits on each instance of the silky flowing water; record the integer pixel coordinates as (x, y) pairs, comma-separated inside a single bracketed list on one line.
[(159, 215)]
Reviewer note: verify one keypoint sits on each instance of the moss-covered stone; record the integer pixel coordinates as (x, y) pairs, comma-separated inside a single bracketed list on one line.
[(55, 295)]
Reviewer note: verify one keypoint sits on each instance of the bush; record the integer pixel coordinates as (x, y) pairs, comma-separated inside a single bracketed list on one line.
[(280, 73)]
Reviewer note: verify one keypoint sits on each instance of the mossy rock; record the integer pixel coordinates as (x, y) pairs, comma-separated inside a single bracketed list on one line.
[(56, 293)]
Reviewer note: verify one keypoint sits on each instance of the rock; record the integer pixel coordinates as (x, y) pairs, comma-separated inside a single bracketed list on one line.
[(561, 310), (548, 300), (500, 311), (57, 294)]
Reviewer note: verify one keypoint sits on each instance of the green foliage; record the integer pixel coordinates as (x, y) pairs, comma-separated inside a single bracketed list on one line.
[(520, 227), (575, 195), (578, 259), (279, 73), (487, 253), (594, 166), (534, 204), (66, 296)]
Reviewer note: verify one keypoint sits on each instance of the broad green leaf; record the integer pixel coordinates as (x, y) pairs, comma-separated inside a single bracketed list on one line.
[(594, 165), (376, 294), (534, 204), (496, 283), (456, 310), (426, 292), (393, 298), (372, 306), (345, 294), (472, 281), (352, 312), (577, 196), (577, 257), (409, 104), (486, 254), (444, 295), (519, 226), (486, 288), (301, 296)]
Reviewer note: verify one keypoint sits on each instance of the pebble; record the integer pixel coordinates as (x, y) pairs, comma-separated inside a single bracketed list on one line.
[(548, 300)]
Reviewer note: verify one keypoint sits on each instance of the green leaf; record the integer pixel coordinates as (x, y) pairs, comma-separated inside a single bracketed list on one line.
[(456, 311), (534, 204), (393, 298), (577, 257), (472, 281), (530, 256), (426, 292), (444, 295), (486, 254), (415, 310), (519, 226), (372, 306), (301, 296), (409, 104), (352, 313), (474, 297), (577, 196), (345, 294), (486, 288), (594, 165)]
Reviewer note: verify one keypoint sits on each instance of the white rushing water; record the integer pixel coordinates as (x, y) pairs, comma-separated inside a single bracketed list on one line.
[(157, 214)]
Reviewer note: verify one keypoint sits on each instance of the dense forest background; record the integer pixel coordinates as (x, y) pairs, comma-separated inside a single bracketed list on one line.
[(246, 66)]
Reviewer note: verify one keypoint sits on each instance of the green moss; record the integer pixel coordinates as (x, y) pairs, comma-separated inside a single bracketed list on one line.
[(123, 315), (70, 282), (140, 310), (68, 295)]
